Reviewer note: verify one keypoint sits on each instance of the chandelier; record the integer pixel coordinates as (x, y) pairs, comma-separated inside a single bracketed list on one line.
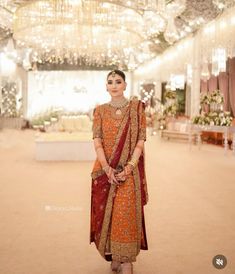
[(222, 4), (92, 32)]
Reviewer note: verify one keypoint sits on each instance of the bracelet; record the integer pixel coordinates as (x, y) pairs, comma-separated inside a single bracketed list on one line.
[(106, 168), (128, 169), (125, 170), (133, 162)]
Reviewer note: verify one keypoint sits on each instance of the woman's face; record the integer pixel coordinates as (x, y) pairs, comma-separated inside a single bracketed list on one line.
[(115, 85)]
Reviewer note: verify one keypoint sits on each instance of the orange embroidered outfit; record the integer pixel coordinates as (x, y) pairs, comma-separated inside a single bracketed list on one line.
[(117, 215)]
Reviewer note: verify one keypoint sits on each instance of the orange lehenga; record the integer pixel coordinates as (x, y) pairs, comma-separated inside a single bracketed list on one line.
[(117, 213)]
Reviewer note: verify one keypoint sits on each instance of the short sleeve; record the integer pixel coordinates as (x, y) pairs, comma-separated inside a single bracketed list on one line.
[(97, 123), (142, 122)]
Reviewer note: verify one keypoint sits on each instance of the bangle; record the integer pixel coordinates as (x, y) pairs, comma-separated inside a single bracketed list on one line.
[(133, 162), (106, 168), (128, 169), (131, 165)]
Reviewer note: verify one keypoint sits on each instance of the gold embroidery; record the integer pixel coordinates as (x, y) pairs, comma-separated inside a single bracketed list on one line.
[(124, 252), (142, 124), (96, 128), (138, 208)]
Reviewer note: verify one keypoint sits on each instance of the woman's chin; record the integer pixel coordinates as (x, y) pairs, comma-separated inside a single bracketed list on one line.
[(116, 94)]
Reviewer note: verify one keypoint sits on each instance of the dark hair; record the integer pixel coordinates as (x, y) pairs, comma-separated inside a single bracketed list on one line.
[(119, 72)]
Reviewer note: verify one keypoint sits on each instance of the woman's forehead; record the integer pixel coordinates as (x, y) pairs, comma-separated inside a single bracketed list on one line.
[(116, 77)]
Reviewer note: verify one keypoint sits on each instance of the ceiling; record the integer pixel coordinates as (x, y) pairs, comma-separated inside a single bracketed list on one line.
[(197, 13)]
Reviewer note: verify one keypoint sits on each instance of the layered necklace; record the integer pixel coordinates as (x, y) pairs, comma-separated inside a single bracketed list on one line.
[(119, 105)]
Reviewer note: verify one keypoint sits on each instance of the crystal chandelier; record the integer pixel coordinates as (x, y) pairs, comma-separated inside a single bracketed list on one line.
[(91, 32), (222, 4), (154, 20)]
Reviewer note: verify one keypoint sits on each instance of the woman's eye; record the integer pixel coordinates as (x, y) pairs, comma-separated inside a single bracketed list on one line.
[(119, 82), (109, 82)]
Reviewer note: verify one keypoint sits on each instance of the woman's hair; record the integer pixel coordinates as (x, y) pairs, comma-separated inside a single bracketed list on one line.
[(119, 72)]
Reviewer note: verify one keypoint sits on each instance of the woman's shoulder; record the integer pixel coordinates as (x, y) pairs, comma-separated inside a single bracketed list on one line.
[(100, 108)]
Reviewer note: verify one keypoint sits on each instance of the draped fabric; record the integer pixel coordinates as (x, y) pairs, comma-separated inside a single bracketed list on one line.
[(212, 83), (204, 86), (223, 79), (117, 213), (231, 71)]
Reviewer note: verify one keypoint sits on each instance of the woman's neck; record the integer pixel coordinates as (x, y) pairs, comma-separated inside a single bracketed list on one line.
[(117, 98)]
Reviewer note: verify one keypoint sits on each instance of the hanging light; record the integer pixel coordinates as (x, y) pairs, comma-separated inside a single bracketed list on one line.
[(26, 60), (222, 59), (205, 73), (93, 32), (7, 65), (171, 34), (220, 5), (218, 60), (132, 62), (154, 21)]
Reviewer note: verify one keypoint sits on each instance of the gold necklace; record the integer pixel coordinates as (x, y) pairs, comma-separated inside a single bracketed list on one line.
[(119, 105)]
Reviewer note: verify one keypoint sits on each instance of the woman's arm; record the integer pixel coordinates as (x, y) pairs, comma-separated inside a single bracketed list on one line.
[(138, 149), (100, 152), (133, 162), (102, 159)]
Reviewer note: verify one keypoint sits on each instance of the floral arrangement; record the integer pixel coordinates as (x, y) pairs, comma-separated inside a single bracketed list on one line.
[(170, 94), (214, 97), (214, 116), (50, 117), (213, 119), (47, 118), (170, 110), (204, 99)]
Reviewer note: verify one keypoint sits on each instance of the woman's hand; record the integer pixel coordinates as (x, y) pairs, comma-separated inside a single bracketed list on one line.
[(110, 172), (121, 176)]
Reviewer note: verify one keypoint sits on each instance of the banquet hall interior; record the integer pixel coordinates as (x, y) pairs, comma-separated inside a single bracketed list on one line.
[(179, 59)]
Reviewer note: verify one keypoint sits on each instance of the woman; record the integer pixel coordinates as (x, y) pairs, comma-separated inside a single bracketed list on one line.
[(119, 190)]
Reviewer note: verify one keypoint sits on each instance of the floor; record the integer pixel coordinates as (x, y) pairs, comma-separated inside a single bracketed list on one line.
[(45, 206)]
